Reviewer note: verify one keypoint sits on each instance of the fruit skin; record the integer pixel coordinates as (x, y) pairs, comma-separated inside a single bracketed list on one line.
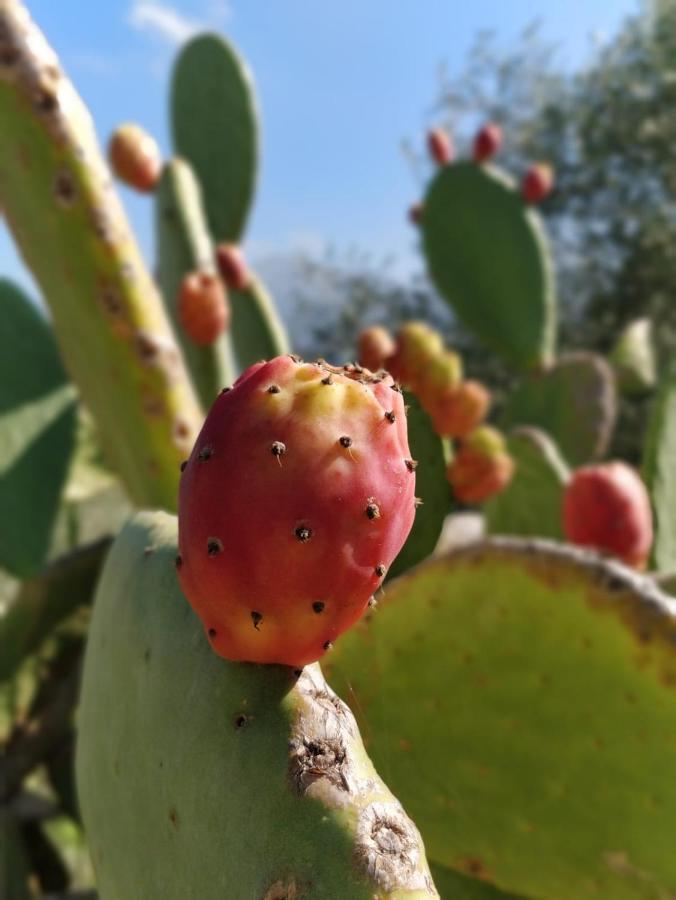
[(285, 530), (417, 345), (442, 373), (375, 347), (440, 146), (481, 466), (458, 411), (135, 157), (233, 267), (487, 142), (607, 507), (537, 183), (203, 307)]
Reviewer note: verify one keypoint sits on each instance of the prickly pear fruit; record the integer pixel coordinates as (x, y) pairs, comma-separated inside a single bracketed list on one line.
[(297, 497), (233, 267), (442, 373), (487, 142), (135, 157), (375, 346), (415, 213), (440, 146), (417, 344), (457, 412), (537, 182), (203, 307), (607, 507), (481, 466)]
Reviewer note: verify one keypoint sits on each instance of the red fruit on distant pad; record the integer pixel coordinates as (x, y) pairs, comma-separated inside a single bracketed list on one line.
[(487, 142), (606, 507), (232, 266), (203, 307), (537, 183), (297, 497), (135, 157), (440, 146)]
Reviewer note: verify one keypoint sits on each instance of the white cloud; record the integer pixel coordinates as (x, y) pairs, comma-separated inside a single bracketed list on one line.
[(162, 21)]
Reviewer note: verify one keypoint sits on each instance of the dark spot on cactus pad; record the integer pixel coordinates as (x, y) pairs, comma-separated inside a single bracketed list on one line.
[(173, 817), (64, 188), (214, 546), (328, 379), (390, 416), (380, 570), (148, 551), (256, 618), (345, 441), (183, 465), (205, 453), (278, 448), (318, 606), (303, 533), (178, 561), (8, 56), (387, 847), (45, 100), (274, 389), (328, 646), (372, 508), (411, 464), (111, 301), (182, 429), (285, 890), (147, 347), (212, 633), (241, 721)]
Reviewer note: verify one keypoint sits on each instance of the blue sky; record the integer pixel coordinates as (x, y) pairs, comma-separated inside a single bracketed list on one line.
[(340, 84)]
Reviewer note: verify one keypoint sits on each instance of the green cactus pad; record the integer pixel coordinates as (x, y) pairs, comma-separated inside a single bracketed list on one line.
[(257, 332), (184, 246), (633, 358), (454, 886), (519, 698), (659, 473), (574, 401), (114, 335), (38, 419), (203, 778), (488, 255), (530, 505), (215, 127), (431, 485)]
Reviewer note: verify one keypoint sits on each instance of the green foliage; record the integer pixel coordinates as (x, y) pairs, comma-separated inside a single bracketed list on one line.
[(264, 786), (215, 127), (574, 401), (68, 224), (454, 886), (257, 331), (184, 246), (659, 473), (531, 745), (633, 358), (431, 486), (531, 505), (37, 432), (487, 253)]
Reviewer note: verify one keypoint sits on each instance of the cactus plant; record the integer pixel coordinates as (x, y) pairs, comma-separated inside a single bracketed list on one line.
[(633, 358), (265, 788), (658, 471)]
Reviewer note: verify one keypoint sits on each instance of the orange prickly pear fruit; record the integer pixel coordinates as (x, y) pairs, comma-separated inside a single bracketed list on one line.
[(417, 345), (375, 346), (440, 146), (455, 413), (135, 157), (203, 308), (481, 466)]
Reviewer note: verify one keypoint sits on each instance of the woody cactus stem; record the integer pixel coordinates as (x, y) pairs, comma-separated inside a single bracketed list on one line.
[(114, 335)]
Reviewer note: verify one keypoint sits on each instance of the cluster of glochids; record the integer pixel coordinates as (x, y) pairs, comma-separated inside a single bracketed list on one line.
[(202, 303), (297, 496), (457, 407), (536, 184)]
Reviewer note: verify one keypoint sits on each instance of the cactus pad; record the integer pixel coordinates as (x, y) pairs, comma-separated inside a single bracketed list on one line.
[(257, 331), (215, 127), (488, 255), (203, 778), (633, 358), (574, 401), (528, 718), (660, 475)]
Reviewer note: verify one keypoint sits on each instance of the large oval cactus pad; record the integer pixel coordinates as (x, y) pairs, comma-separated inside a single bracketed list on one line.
[(519, 698), (207, 779), (659, 471), (488, 255), (215, 127)]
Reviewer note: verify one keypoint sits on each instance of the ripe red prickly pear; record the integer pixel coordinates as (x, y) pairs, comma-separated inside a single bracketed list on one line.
[(456, 413), (481, 466), (135, 157), (297, 496), (232, 266), (203, 307), (375, 346), (440, 146), (415, 214), (607, 507), (487, 142), (537, 182), (417, 344)]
